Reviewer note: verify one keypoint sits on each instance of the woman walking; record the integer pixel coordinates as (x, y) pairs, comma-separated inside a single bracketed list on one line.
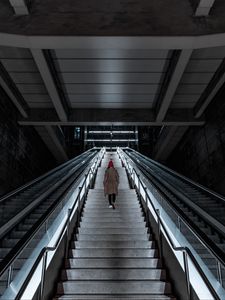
[(111, 182)]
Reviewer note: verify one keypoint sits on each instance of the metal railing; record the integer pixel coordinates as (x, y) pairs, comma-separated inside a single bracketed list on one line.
[(31, 183), (142, 192), (182, 177), (89, 176), (207, 244)]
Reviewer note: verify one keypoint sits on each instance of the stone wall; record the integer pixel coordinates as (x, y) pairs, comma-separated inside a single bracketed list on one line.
[(23, 155), (201, 153)]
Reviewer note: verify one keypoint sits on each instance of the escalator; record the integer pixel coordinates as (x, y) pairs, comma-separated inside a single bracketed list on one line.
[(26, 210), (156, 244), (200, 208)]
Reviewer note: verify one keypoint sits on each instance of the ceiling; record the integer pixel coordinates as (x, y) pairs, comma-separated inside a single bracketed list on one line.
[(102, 80)]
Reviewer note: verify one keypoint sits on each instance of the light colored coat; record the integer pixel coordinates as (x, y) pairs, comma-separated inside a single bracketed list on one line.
[(111, 181)]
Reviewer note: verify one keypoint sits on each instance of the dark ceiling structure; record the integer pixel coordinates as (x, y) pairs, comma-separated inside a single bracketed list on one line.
[(65, 73)]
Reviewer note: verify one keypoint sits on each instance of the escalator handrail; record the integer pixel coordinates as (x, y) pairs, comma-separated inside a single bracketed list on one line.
[(56, 244), (13, 254), (212, 248), (180, 176), (7, 225), (212, 221), (182, 248), (38, 179)]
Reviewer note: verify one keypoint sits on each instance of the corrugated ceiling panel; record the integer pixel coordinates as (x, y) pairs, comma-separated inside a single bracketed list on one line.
[(23, 71), (111, 53)]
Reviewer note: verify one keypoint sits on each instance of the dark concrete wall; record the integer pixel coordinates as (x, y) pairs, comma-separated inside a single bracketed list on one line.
[(201, 153), (23, 156)]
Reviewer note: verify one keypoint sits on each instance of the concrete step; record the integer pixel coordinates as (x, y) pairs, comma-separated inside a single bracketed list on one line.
[(113, 274), (121, 192), (114, 287), (112, 219), (98, 224), (122, 204), (118, 207), (110, 253), (103, 263), (112, 214), (114, 297), (105, 205), (113, 237), (103, 210), (113, 230), (121, 197), (114, 244)]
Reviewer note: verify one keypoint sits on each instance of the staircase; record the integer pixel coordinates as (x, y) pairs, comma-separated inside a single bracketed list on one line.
[(113, 255)]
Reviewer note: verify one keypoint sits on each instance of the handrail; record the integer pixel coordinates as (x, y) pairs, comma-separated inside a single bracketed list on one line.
[(47, 249), (38, 179), (212, 220), (12, 255), (206, 242), (8, 260), (184, 178), (4, 228), (175, 248), (44, 251)]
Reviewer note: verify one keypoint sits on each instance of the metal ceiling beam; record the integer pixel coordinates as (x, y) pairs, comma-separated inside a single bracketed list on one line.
[(12, 91), (204, 7), (49, 135), (48, 73), (176, 68), (211, 90), (175, 117), (112, 42), (168, 140), (20, 7)]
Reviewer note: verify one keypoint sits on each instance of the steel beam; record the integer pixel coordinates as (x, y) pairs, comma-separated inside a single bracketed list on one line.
[(211, 90), (204, 7), (12, 91), (49, 135), (175, 117), (172, 79), (50, 81), (168, 140), (112, 42), (19, 7)]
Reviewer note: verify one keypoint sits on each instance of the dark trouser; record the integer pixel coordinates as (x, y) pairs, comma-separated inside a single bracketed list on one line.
[(112, 198)]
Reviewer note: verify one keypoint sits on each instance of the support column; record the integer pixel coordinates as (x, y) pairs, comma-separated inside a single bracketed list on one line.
[(20, 7)]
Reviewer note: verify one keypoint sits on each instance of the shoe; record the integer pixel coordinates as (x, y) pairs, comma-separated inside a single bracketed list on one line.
[(110, 206), (113, 206)]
